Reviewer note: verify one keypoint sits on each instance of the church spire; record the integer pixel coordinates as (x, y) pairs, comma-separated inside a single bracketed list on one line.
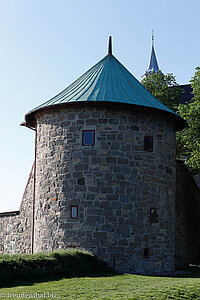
[(152, 38), (153, 64)]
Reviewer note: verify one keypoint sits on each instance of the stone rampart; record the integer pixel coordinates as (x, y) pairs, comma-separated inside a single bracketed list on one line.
[(15, 227)]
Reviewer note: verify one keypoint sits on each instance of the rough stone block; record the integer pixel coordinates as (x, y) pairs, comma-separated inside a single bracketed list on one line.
[(81, 167), (124, 198), (122, 161), (113, 121), (134, 127), (91, 121), (111, 160)]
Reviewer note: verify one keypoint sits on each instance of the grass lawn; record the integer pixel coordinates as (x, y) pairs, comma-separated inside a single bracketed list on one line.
[(108, 287)]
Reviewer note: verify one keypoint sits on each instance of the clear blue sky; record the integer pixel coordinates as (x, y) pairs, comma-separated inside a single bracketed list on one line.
[(45, 45)]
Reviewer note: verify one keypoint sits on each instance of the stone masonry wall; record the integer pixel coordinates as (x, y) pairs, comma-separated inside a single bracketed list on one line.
[(114, 184), (187, 238), (15, 229)]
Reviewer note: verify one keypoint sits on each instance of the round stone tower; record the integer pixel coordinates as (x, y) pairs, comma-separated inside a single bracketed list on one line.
[(105, 171)]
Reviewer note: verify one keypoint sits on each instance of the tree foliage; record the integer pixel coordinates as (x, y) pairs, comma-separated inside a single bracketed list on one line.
[(164, 88), (167, 91), (188, 140)]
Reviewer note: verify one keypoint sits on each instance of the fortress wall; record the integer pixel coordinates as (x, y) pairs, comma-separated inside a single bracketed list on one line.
[(15, 227), (187, 241), (114, 184)]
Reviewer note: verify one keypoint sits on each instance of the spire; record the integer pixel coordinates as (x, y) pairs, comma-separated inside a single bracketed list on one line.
[(152, 38), (153, 64), (110, 45)]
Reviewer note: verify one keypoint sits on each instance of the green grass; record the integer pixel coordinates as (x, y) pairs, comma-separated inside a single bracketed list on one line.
[(112, 287)]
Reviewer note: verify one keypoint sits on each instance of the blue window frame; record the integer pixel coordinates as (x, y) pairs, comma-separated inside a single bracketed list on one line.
[(74, 211), (88, 137)]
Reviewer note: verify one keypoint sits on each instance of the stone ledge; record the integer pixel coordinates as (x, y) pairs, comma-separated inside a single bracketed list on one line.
[(9, 213)]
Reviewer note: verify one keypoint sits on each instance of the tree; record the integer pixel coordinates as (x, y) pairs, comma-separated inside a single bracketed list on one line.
[(188, 140), (167, 91), (164, 88)]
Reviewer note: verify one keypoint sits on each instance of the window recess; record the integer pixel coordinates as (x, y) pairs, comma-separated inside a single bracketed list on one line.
[(88, 137), (153, 215), (148, 143), (74, 211)]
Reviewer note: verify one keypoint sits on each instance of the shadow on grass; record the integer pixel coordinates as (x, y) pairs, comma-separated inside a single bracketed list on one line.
[(189, 272), (24, 281)]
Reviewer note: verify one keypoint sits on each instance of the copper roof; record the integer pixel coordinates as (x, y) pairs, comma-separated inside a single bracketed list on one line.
[(107, 81)]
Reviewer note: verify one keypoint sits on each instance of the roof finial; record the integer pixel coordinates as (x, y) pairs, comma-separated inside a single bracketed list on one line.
[(152, 38), (110, 45)]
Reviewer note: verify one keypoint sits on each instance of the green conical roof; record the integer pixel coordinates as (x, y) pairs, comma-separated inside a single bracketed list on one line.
[(107, 81)]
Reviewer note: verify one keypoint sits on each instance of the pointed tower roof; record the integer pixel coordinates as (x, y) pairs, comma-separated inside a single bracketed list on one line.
[(153, 64), (106, 82)]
